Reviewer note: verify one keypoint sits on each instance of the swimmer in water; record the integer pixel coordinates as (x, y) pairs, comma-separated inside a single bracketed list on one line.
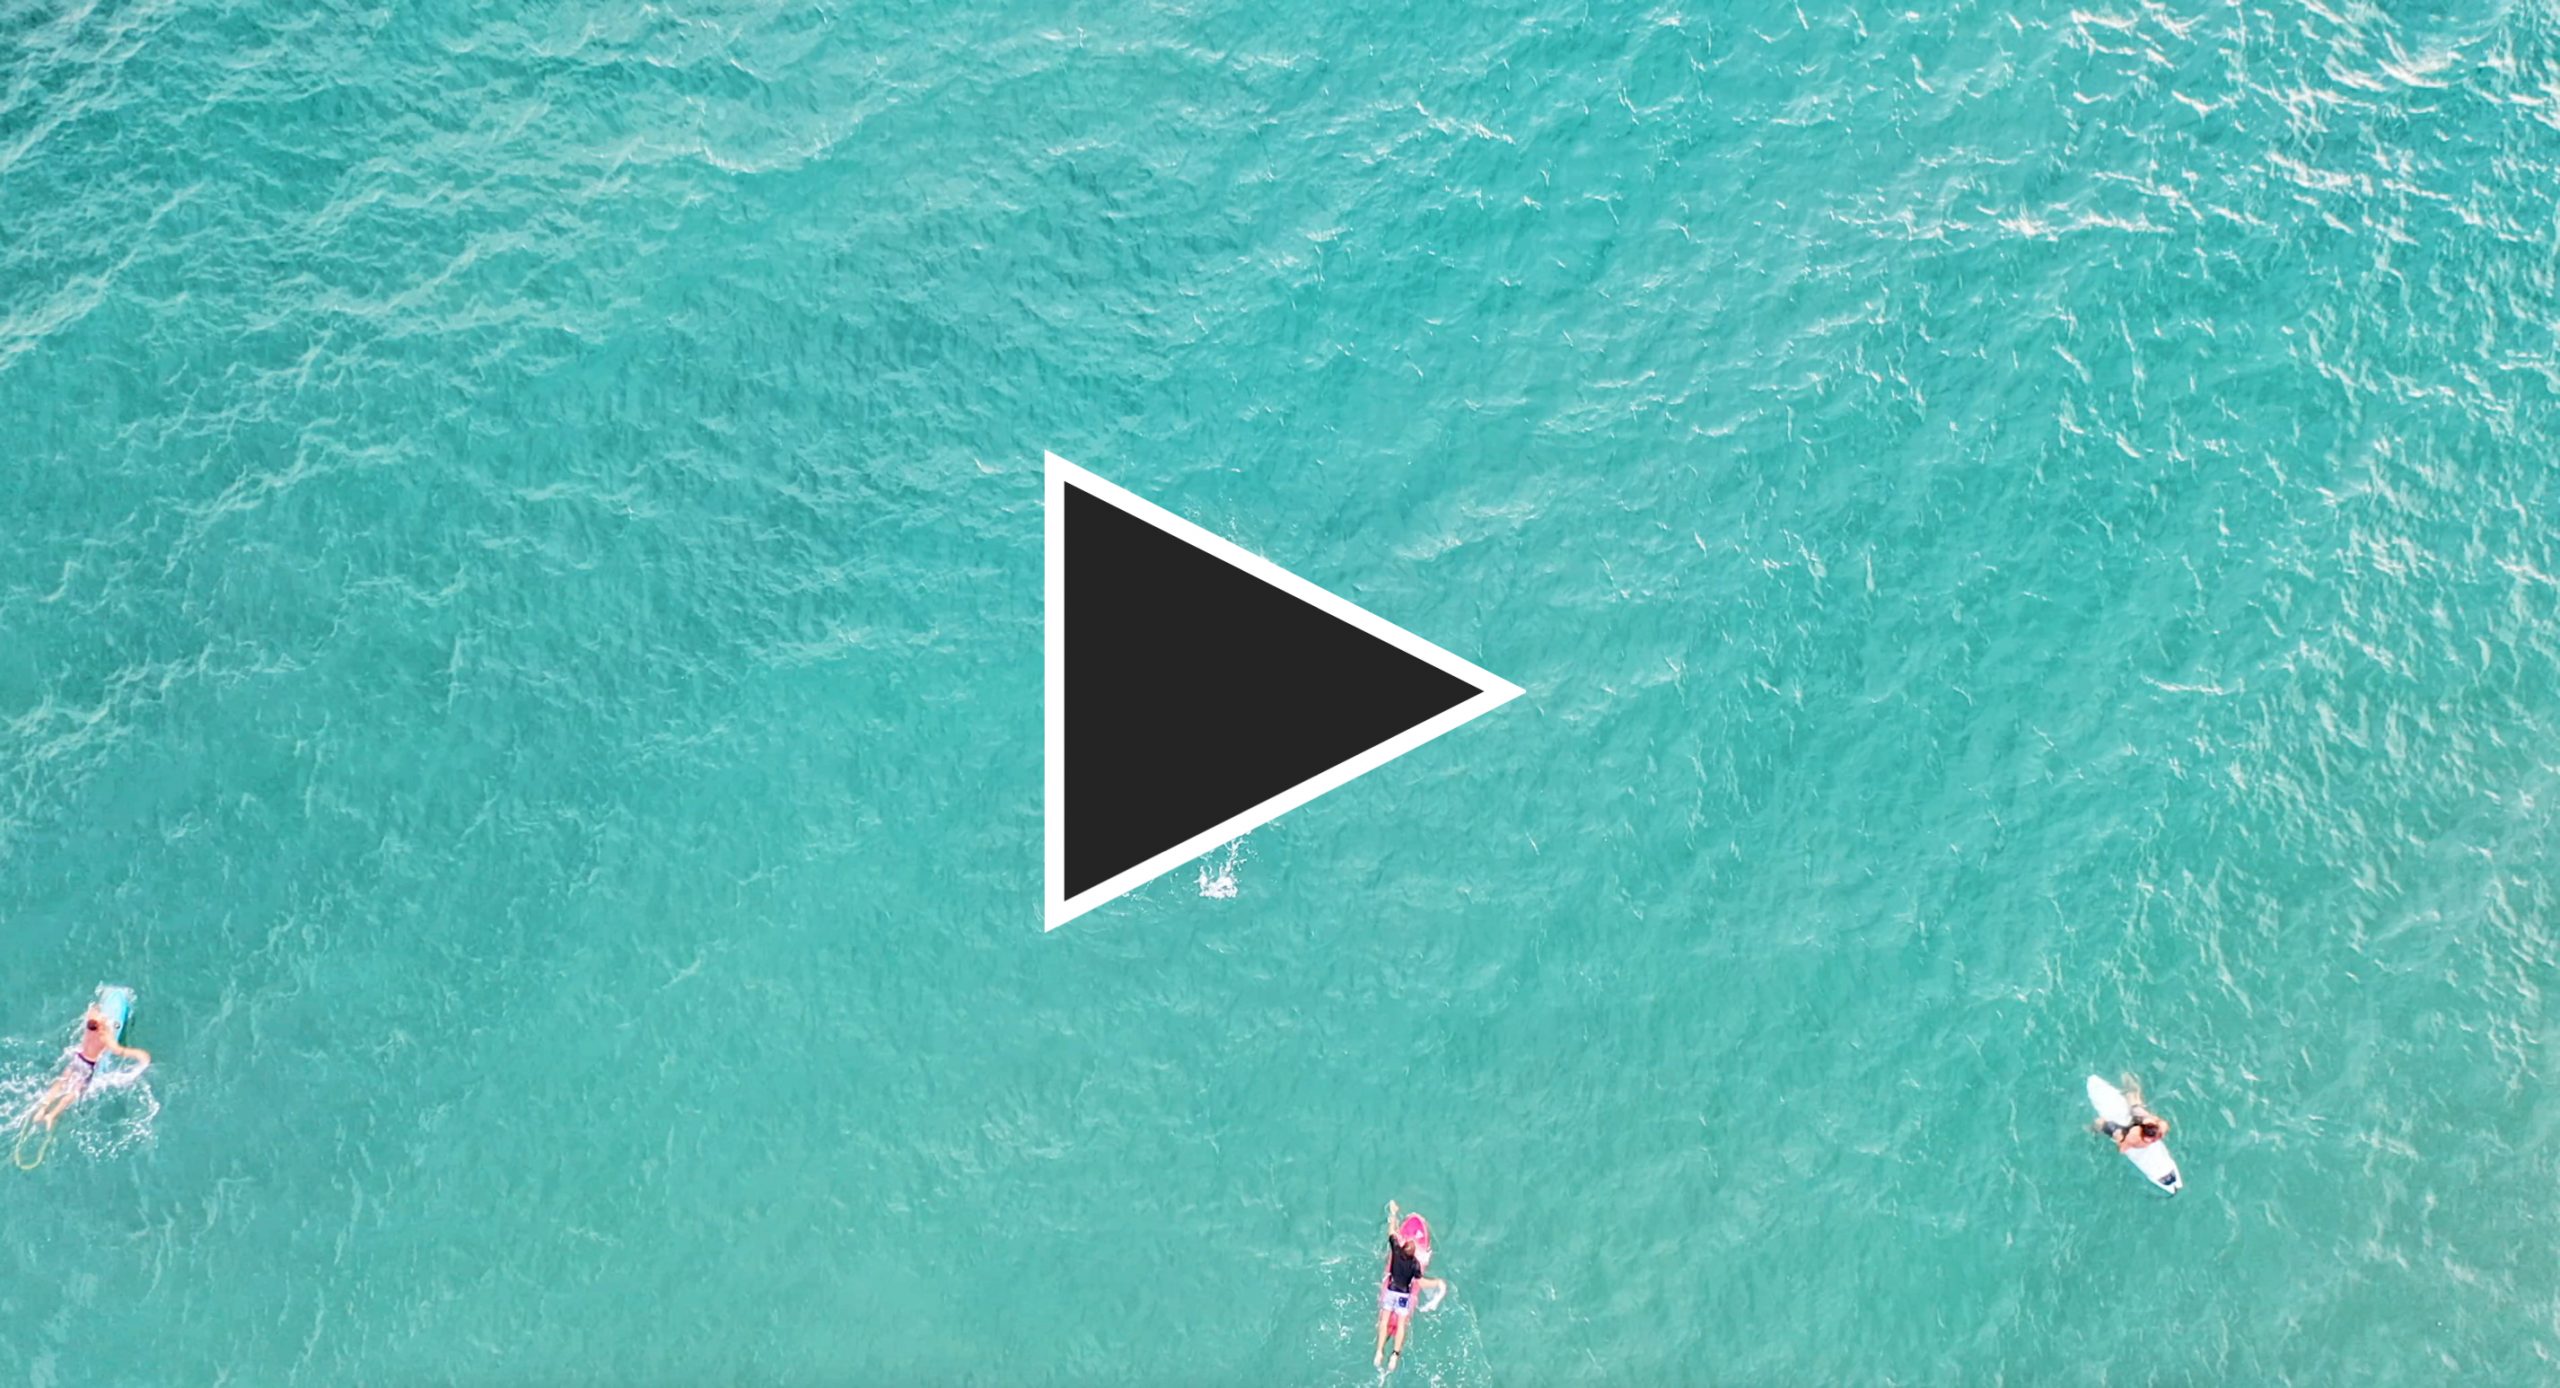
[(1408, 1249), (2146, 1128), (80, 1063)]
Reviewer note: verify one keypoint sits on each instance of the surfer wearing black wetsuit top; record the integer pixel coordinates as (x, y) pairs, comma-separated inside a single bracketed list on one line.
[(1404, 1282), (1403, 1268)]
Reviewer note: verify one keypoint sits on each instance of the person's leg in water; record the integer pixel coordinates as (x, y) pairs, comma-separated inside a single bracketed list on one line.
[(1404, 1327), (1386, 1321), (2132, 1090), (50, 1108), (2133, 1105)]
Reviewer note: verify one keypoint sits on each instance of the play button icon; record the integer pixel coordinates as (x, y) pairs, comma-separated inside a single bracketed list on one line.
[(1163, 743)]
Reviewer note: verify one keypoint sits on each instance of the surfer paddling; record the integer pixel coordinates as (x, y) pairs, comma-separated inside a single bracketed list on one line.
[(80, 1063), (2146, 1128), (1408, 1253)]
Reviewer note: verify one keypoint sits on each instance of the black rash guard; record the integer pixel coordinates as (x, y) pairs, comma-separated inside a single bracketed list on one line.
[(1402, 1267)]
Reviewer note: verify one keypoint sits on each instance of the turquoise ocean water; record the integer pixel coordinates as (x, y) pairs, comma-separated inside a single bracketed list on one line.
[(2029, 534)]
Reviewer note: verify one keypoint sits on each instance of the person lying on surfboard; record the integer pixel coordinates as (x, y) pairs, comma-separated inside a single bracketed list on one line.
[(2146, 1128), (1408, 1252), (80, 1063)]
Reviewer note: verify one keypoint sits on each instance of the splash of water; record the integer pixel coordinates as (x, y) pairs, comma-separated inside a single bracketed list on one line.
[(1223, 886)]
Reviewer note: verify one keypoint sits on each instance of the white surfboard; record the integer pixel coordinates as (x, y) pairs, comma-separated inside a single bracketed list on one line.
[(2153, 1161)]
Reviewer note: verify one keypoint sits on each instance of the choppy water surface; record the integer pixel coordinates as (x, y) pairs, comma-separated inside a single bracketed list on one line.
[(2029, 538)]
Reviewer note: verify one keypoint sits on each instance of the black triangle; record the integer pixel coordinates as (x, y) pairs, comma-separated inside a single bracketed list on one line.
[(1195, 690)]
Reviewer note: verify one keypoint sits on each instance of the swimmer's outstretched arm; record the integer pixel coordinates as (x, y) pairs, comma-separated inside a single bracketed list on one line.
[(1391, 1218), (140, 1055), (1438, 1289)]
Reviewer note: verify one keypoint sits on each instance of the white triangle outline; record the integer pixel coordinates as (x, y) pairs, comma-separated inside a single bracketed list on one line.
[(1493, 691)]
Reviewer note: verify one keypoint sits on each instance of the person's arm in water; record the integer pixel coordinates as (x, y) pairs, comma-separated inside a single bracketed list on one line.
[(1391, 1219), (1437, 1289), (141, 1057)]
